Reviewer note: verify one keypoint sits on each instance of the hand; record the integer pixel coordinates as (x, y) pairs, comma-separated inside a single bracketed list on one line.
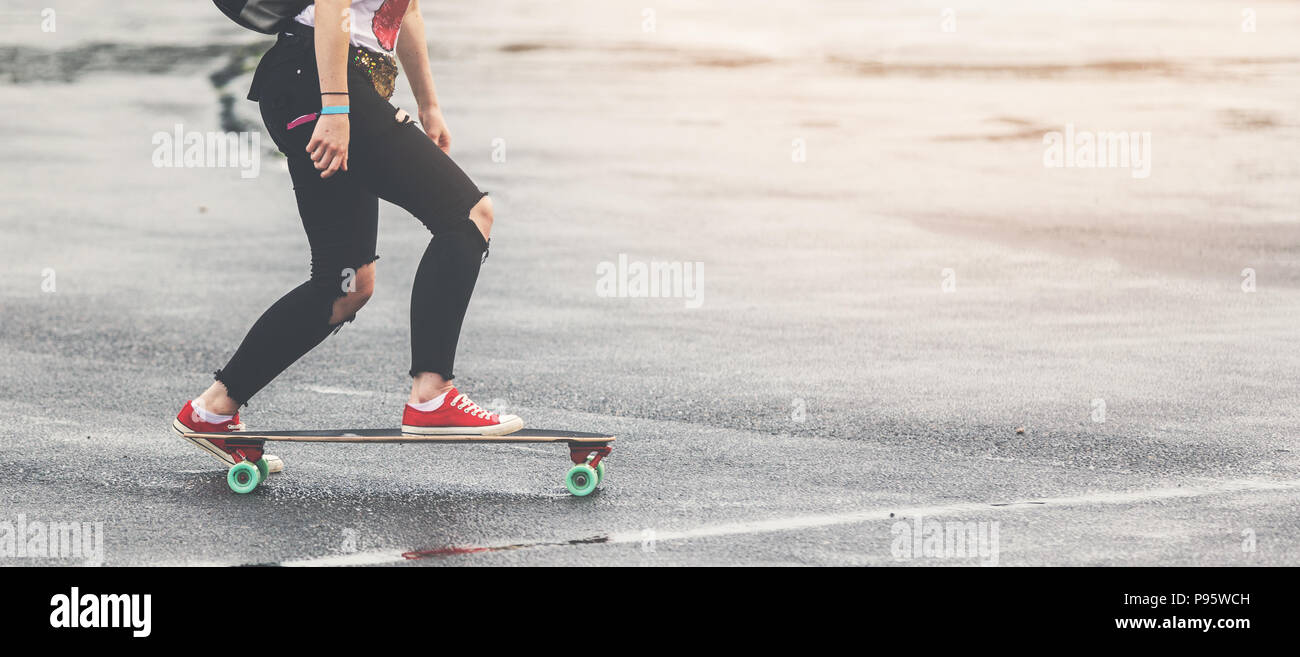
[(434, 126), (328, 147)]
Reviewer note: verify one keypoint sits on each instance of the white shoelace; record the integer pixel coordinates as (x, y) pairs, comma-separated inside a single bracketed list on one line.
[(463, 403)]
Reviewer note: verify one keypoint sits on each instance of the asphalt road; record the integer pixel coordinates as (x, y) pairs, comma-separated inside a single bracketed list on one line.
[(1094, 389)]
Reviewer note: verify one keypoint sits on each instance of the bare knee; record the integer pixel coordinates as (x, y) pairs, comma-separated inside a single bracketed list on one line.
[(481, 215), (347, 305), (360, 289)]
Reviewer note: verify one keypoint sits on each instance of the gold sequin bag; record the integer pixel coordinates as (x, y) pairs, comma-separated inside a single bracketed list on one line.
[(381, 70)]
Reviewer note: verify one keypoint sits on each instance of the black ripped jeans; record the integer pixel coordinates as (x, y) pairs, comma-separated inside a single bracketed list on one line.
[(389, 159)]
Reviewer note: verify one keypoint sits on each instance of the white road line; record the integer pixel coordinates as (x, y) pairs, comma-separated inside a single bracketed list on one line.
[(834, 519), (326, 390), (354, 559)]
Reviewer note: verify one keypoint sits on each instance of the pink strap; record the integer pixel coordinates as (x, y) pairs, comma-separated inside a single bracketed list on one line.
[(300, 120)]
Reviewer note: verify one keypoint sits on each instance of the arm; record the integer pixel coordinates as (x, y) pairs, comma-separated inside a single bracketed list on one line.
[(328, 147), (413, 53)]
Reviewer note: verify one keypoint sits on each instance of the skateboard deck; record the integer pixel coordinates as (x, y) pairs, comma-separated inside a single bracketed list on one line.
[(586, 450), (396, 436)]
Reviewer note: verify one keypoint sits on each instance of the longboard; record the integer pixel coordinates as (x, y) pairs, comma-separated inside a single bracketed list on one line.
[(586, 450)]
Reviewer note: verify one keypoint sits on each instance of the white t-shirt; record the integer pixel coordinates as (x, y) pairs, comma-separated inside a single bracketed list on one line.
[(374, 23)]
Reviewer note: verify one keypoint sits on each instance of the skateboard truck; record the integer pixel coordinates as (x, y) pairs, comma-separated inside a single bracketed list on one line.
[(248, 453), (589, 455)]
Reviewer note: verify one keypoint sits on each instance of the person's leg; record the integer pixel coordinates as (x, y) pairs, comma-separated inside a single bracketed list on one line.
[(217, 399), (427, 380), (341, 221), (399, 163)]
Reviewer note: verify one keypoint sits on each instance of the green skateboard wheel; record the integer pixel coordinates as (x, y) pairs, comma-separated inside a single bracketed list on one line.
[(581, 480), (263, 470), (242, 477), (600, 472)]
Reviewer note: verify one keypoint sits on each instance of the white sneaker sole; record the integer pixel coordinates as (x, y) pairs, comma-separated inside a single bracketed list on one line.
[(509, 424), (273, 462)]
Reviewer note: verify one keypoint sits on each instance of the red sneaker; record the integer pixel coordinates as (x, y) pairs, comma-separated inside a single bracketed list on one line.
[(458, 415), (187, 421)]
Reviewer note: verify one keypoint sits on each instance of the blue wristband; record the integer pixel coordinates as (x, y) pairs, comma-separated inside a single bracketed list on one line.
[(334, 109)]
